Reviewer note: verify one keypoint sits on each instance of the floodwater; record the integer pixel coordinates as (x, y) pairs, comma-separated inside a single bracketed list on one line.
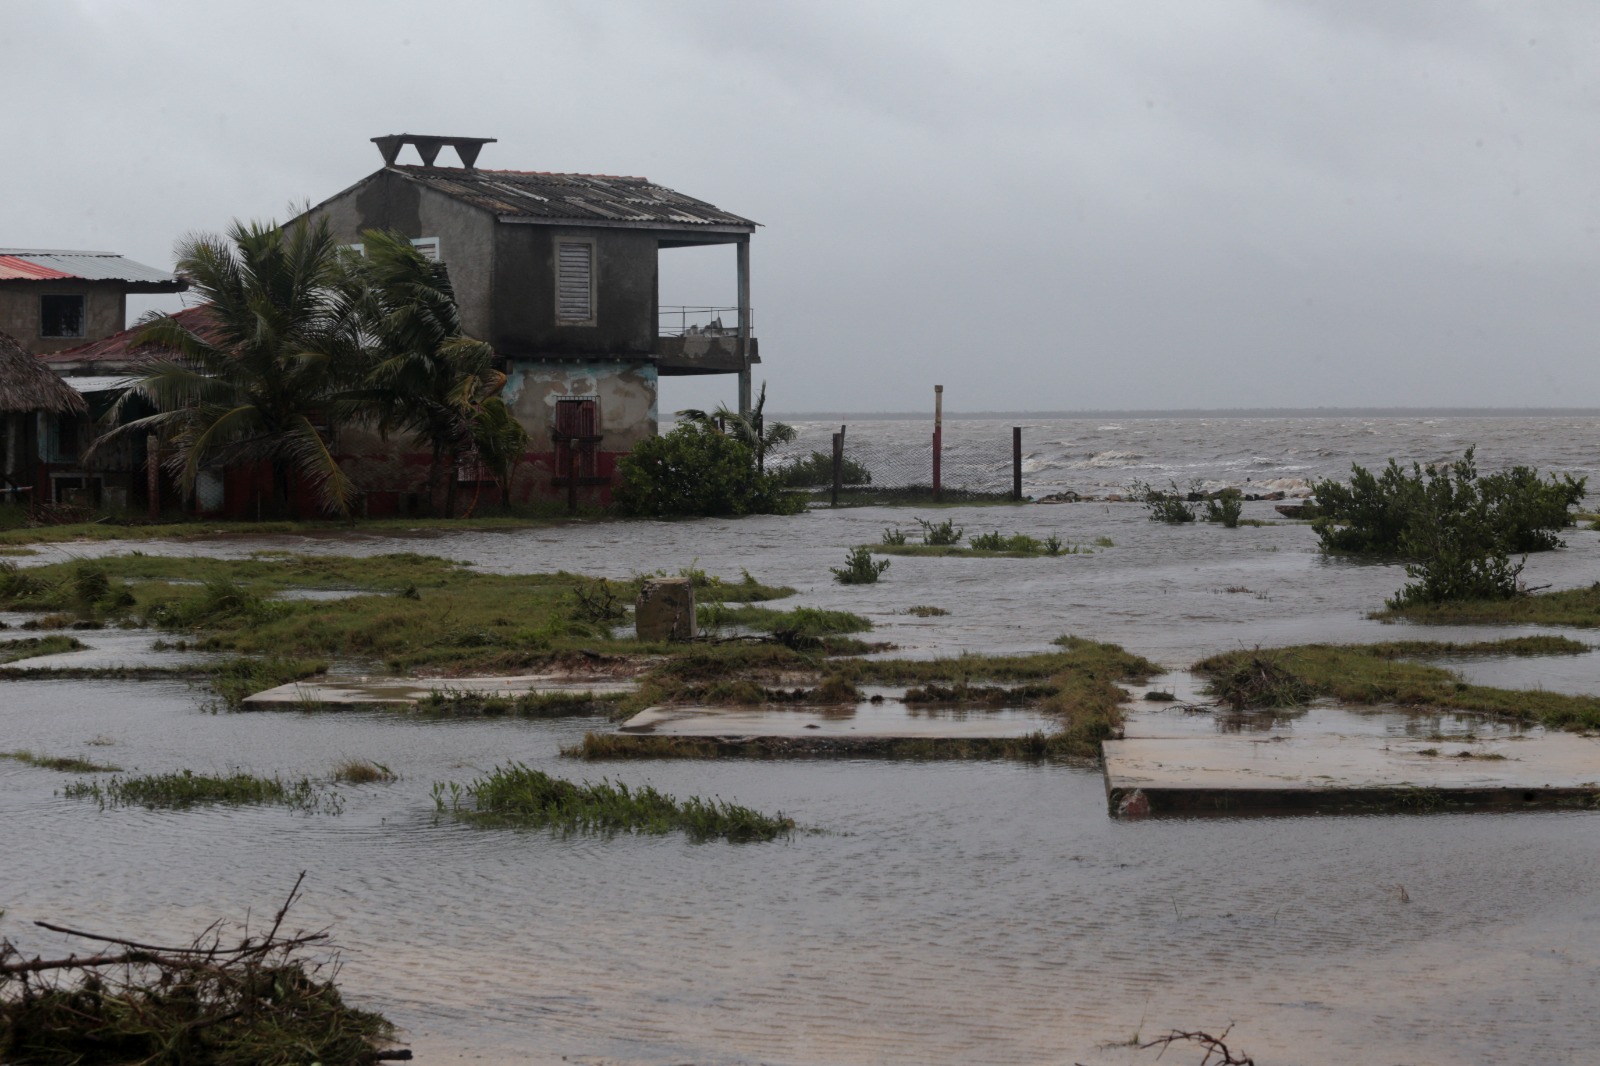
[(944, 913)]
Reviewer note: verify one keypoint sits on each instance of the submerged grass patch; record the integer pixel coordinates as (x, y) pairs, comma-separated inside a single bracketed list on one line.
[(520, 795), (31, 647), (363, 772), (1569, 607), (64, 763), (1386, 673), (185, 788), (1076, 685)]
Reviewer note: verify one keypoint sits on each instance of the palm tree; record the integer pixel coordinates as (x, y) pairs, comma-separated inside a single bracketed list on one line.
[(426, 378), (750, 429), (267, 376)]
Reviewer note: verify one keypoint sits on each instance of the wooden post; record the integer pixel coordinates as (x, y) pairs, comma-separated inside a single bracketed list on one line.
[(1016, 463), (572, 481), (743, 252), (152, 474), (938, 440), (838, 466)]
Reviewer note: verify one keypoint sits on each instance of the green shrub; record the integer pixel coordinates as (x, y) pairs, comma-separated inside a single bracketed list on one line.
[(946, 532), (816, 471), (1456, 529), (1165, 505), (860, 568), (1017, 542), (1382, 514), (697, 471), (894, 536), (1225, 507)]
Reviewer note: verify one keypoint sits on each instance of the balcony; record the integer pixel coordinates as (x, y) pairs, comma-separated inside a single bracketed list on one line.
[(700, 340)]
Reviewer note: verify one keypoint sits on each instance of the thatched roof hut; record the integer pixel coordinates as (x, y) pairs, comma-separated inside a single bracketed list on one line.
[(27, 385)]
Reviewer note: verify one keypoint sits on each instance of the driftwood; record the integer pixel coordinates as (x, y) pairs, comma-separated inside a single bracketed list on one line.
[(1213, 1045)]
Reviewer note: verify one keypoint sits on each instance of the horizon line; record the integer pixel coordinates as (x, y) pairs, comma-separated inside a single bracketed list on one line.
[(1209, 412)]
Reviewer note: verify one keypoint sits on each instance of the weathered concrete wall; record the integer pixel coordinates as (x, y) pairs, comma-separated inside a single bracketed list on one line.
[(627, 394), (525, 293), (466, 234), (105, 311)]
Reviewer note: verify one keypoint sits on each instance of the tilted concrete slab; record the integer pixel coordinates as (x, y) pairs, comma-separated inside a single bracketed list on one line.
[(395, 691), (1330, 771)]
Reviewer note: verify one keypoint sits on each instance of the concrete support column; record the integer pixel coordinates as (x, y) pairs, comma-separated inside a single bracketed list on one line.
[(743, 251)]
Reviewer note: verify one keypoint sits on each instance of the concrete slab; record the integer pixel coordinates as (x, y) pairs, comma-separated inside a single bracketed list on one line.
[(1333, 771), (392, 691), (889, 719)]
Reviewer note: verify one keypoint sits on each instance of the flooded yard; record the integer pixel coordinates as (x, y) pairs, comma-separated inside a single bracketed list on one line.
[(952, 912)]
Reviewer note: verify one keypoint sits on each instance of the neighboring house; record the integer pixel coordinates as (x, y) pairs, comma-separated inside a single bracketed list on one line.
[(558, 273), (121, 475), (37, 410), (50, 300)]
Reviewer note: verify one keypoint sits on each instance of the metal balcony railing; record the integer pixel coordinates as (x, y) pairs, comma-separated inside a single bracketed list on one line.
[(692, 321)]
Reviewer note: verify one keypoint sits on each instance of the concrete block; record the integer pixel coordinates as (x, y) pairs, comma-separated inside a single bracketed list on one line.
[(665, 610)]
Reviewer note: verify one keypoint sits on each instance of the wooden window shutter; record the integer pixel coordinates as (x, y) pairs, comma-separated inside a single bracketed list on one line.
[(575, 281)]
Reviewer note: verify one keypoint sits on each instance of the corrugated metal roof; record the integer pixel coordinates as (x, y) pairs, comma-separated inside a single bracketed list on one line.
[(119, 350), (32, 264), (597, 198), (99, 383)]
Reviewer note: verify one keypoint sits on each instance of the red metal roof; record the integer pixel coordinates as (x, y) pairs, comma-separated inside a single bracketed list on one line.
[(50, 264), (14, 267), (119, 349)]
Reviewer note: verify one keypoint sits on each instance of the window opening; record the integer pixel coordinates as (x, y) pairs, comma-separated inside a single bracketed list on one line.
[(61, 315), (428, 246)]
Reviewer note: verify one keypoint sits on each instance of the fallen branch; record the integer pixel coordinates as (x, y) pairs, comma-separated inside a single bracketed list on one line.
[(254, 1000)]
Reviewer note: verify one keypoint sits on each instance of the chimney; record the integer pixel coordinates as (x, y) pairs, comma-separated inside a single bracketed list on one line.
[(428, 147)]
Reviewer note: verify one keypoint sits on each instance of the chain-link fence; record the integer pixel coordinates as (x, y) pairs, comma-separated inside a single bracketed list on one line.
[(896, 466)]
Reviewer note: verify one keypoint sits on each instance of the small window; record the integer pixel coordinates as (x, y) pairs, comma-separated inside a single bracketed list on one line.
[(428, 247), (575, 283), (61, 316)]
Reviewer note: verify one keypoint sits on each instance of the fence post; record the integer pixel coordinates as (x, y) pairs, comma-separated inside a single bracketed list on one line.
[(1016, 463), (938, 440), (572, 482), (838, 466)]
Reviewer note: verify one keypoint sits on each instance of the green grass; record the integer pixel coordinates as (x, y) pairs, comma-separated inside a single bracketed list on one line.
[(185, 789), (1387, 674), (31, 647), (237, 678), (64, 763), (519, 795), (414, 611), (1579, 608)]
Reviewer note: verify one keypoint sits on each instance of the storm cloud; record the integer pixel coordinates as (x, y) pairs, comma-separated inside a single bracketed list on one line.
[(1040, 206)]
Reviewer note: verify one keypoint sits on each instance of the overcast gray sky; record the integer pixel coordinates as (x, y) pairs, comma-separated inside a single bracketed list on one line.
[(1122, 204)]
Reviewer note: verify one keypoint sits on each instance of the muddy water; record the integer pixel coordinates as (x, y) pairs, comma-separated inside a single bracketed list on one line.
[(947, 914)]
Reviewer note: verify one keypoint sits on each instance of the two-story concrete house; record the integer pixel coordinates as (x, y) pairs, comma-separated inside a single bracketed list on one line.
[(558, 272)]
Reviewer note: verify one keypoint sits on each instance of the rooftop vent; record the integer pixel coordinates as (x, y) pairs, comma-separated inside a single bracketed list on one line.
[(428, 147)]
